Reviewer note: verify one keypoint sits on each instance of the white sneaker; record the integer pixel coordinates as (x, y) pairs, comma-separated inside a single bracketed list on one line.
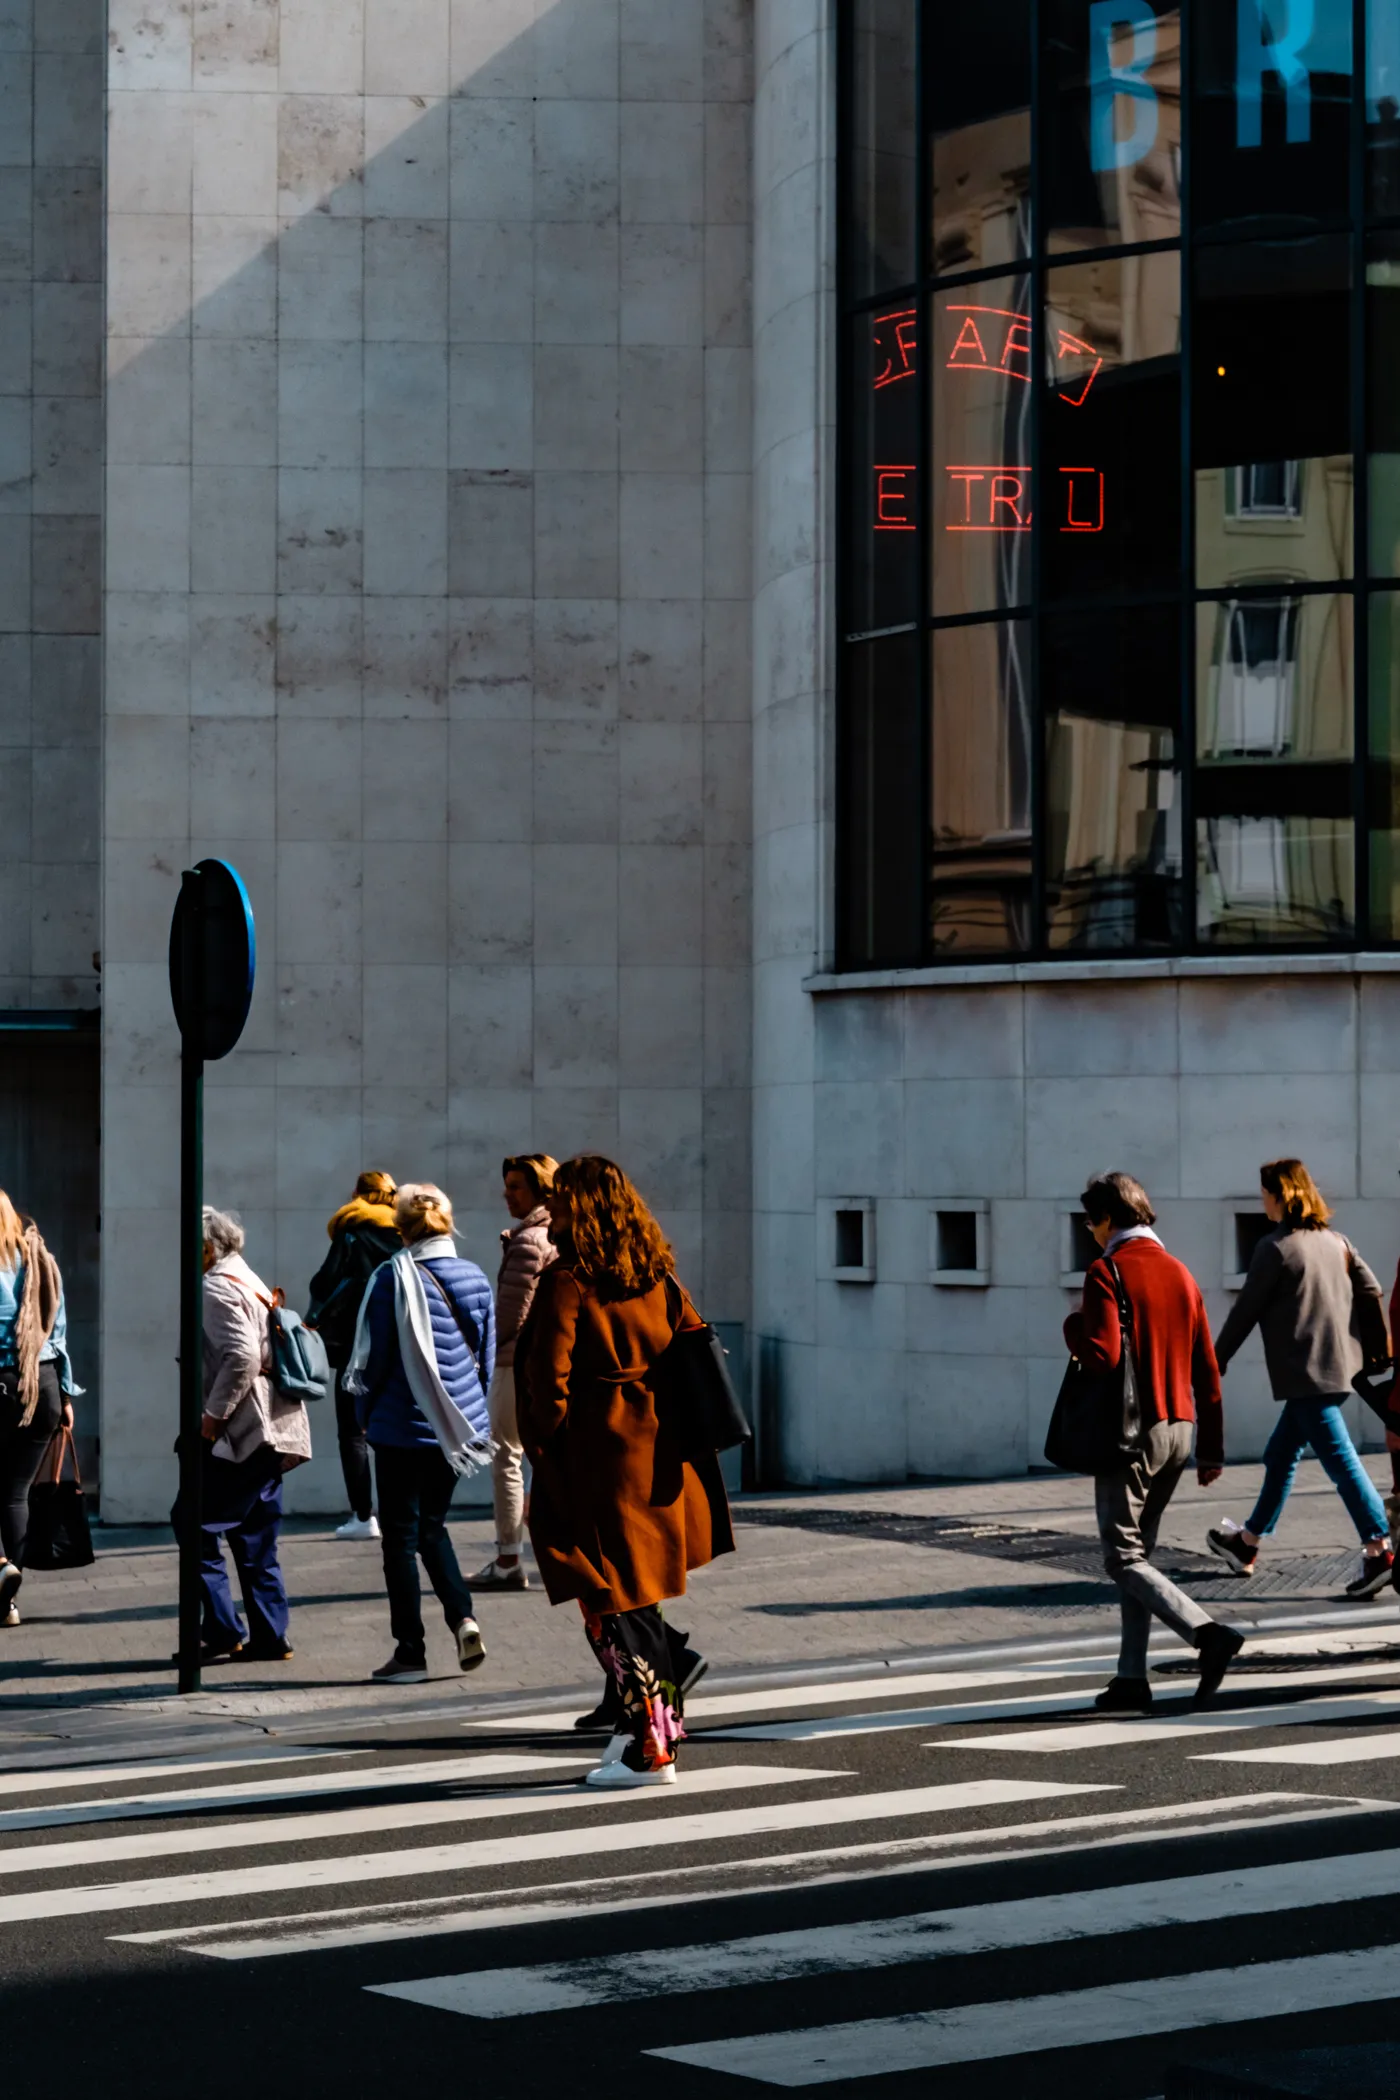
[(494, 1577), (358, 1528), (621, 1775), (615, 1749), (11, 1617), (471, 1649)]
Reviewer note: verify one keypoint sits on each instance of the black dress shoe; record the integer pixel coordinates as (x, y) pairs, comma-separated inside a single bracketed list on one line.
[(1217, 1647), (1125, 1695), (265, 1652), (210, 1653)]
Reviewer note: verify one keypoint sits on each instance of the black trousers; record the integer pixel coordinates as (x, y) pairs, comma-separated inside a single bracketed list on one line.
[(415, 1487), (354, 1451), (22, 1453)]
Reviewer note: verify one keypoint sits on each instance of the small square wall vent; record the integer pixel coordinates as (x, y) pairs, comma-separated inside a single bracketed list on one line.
[(847, 1247), (959, 1242)]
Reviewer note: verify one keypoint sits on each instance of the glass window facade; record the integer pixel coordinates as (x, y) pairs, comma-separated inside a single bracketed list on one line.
[(1120, 478)]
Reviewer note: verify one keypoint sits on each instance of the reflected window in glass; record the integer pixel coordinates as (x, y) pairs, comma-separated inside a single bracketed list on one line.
[(979, 89), (878, 782), (981, 395), (1272, 118), (1113, 123), (981, 800), (1272, 359), (1111, 432), (1111, 693), (1383, 108), (882, 568), (1383, 770), (882, 165), (1383, 402)]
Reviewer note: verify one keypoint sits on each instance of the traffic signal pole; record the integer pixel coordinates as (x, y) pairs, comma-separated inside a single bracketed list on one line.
[(191, 1275)]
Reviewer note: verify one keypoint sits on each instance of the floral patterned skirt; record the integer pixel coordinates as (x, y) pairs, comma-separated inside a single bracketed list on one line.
[(637, 1653)]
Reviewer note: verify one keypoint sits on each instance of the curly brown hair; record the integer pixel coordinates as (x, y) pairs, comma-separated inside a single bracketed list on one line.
[(605, 1230)]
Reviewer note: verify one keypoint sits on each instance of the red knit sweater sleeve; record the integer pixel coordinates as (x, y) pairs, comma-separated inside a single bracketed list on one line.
[(1098, 1331)]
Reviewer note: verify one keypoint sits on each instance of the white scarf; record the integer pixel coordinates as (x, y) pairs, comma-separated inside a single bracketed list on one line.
[(1131, 1232), (466, 1444)]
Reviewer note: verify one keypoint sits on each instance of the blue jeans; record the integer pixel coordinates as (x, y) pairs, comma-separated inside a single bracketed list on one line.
[(1319, 1423), (415, 1487)]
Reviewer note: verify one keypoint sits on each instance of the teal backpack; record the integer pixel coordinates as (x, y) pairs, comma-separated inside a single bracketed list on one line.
[(301, 1369)]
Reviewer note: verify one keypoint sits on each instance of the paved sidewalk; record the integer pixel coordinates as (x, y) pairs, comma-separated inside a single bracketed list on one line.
[(886, 1573)]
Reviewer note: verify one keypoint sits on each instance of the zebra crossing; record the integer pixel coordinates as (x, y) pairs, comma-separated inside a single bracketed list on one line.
[(831, 1816)]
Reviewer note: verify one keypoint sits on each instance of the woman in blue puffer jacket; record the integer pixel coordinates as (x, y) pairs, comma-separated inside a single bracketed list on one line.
[(425, 1345)]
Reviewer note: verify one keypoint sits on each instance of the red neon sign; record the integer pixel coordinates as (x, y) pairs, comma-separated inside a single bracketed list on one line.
[(896, 339), (893, 495), (988, 329), (997, 499), (983, 326), (1076, 478)]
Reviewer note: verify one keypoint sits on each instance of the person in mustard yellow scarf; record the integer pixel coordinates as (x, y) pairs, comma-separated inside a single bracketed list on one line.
[(362, 1235)]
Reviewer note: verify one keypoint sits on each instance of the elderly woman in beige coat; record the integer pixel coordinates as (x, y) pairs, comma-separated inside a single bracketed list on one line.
[(252, 1436)]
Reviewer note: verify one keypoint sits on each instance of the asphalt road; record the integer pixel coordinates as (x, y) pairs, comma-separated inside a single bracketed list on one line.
[(953, 1882)]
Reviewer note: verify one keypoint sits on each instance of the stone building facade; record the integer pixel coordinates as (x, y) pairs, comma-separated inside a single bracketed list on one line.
[(465, 488)]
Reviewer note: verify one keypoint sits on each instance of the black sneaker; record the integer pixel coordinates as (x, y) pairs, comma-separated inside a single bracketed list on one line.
[(606, 1715), (1230, 1547), (1377, 1569), (1217, 1647), (1125, 1695), (688, 1664), (398, 1670)]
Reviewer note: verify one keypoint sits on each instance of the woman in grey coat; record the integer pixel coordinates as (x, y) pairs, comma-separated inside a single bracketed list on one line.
[(1318, 1308)]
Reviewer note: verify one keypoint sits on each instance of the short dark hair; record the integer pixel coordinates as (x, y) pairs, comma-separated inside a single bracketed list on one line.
[(1120, 1199)]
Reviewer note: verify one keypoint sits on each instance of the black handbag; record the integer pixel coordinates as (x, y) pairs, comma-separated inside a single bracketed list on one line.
[(1376, 1385), (58, 1534), (694, 1387), (1097, 1423)]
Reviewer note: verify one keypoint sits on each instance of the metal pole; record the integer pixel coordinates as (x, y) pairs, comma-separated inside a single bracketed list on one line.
[(191, 1271)]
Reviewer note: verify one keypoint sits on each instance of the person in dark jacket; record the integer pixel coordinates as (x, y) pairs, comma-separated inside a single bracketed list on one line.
[(362, 1235), (1318, 1309), (425, 1345), (1178, 1392)]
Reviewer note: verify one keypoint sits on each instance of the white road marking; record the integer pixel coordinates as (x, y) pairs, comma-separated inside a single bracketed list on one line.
[(878, 1722), (514, 1847), (360, 1822), (801, 1697), (1113, 1735), (368, 1779), (931, 1935), (1064, 2020), (362, 1925), (1336, 1750), (71, 1776)]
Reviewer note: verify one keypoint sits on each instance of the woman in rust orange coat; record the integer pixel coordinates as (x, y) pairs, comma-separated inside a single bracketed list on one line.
[(618, 1517)]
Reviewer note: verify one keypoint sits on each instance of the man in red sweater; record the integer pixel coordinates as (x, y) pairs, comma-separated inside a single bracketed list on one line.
[(1178, 1390)]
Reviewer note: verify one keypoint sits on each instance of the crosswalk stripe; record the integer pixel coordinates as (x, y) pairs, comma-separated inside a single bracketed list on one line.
[(1336, 1750), (359, 1822), (1112, 1735), (358, 1925), (1060, 2020), (71, 1776), (704, 1705), (881, 1720), (514, 1847), (366, 1779), (933, 1935)]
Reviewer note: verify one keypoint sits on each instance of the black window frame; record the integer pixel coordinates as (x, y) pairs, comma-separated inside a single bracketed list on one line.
[(1362, 224)]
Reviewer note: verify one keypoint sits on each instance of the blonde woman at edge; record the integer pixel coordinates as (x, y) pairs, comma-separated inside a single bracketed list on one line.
[(36, 1383)]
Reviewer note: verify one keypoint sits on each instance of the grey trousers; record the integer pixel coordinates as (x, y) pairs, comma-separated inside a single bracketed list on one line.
[(1129, 1505)]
